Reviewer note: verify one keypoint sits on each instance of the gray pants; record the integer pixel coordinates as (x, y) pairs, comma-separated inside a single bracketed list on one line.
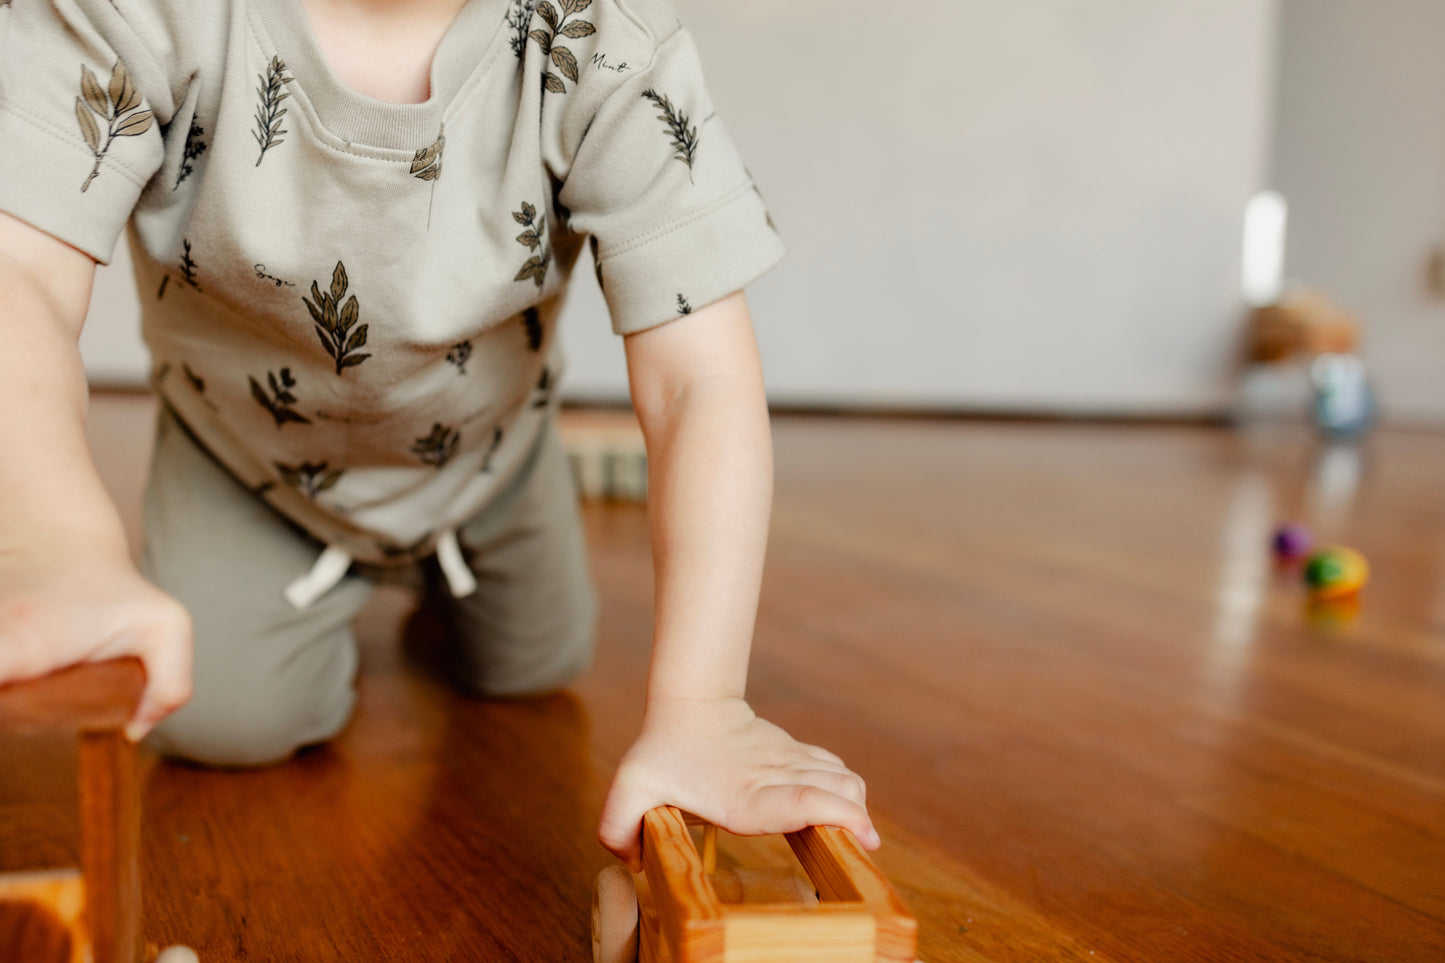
[(270, 679)]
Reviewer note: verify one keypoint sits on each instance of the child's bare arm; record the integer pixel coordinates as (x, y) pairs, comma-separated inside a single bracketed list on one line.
[(68, 590), (698, 391)]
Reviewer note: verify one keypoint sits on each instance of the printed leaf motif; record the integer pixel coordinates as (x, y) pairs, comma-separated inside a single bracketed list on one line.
[(188, 266), (437, 448), (459, 354), (519, 18), (272, 91), (565, 62), (561, 26), (684, 136), (532, 324), (578, 29), (532, 239), (544, 389), (682, 306), (427, 164), (337, 329), (195, 147), (119, 106), (311, 479), (280, 401), (496, 443)]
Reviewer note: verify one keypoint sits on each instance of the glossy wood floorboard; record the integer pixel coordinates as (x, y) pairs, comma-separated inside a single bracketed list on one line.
[(1096, 722)]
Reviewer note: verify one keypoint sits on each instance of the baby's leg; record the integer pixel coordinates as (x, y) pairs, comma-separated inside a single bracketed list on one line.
[(269, 678), (529, 627)]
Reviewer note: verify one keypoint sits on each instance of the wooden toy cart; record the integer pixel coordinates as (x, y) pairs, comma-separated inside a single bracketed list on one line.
[(682, 909), (90, 914)]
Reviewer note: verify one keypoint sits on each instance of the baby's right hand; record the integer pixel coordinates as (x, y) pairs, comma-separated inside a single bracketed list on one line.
[(58, 611)]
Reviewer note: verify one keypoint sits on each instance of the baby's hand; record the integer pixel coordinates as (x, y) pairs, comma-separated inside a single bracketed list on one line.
[(718, 760), (58, 611)]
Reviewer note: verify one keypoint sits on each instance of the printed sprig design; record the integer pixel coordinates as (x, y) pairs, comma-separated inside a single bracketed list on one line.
[(427, 166), (532, 324), (533, 238), (458, 354), (491, 451), (437, 448), (565, 25), (684, 134), (188, 266), (336, 323), (118, 105), (195, 147), (310, 478), (280, 402), (271, 88), (683, 307), (545, 384), (519, 17)]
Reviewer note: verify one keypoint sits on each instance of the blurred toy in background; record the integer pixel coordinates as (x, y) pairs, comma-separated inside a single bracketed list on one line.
[(1335, 573), (1292, 542), (1302, 352), (1344, 404)]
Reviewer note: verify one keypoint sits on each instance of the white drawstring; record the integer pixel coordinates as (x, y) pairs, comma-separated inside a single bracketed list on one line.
[(329, 569), (449, 556), (333, 564)]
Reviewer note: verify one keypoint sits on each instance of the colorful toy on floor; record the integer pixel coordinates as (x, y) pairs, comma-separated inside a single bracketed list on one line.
[(1292, 541), (683, 909), (1336, 572)]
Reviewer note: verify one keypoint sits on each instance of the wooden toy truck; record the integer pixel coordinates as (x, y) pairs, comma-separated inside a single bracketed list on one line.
[(682, 909), (90, 914)]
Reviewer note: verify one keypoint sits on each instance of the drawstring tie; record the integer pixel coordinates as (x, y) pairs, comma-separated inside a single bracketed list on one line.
[(333, 564)]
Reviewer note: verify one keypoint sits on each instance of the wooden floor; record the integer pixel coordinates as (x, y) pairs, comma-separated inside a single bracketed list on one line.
[(1096, 723)]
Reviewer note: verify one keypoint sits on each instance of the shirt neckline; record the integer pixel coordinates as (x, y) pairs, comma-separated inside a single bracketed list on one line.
[(358, 119)]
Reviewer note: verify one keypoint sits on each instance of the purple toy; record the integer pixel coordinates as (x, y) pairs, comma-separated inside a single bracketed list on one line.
[(1292, 541)]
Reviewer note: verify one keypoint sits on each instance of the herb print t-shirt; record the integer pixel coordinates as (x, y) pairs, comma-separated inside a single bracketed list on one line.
[(353, 304)]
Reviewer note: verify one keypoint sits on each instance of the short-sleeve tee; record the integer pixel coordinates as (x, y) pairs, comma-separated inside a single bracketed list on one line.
[(352, 304)]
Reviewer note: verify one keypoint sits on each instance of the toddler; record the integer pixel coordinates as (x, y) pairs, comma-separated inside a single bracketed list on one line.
[(353, 223)]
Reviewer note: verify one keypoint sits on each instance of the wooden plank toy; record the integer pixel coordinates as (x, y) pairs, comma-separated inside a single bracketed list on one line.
[(90, 914), (682, 909)]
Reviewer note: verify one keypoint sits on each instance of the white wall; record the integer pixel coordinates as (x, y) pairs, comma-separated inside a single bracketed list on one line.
[(1028, 206), (1360, 153)]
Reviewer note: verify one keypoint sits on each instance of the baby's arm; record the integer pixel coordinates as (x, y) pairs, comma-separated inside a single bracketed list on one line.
[(68, 590), (698, 391)]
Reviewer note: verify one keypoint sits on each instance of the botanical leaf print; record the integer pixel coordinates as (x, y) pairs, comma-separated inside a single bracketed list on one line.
[(196, 380), (682, 306), (684, 136), (519, 17), (427, 166), (336, 323), (492, 450), (272, 90), (310, 479), (459, 354), (195, 147), (118, 105), (533, 238), (437, 448), (280, 401), (544, 385), (188, 266), (565, 25), (532, 324)]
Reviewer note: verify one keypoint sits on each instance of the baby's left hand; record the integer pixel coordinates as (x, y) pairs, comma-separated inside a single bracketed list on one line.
[(718, 760)]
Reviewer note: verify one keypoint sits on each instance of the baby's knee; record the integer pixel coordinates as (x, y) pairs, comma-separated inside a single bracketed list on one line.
[(233, 734), (536, 666)]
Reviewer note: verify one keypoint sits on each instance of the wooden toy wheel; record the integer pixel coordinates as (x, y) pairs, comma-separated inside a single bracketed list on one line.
[(614, 917)]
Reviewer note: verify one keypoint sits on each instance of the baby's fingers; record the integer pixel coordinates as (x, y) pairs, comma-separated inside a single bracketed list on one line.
[(788, 808), (166, 651)]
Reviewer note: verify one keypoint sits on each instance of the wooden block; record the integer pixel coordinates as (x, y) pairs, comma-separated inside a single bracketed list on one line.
[(687, 908), (96, 695), (822, 933), (42, 917)]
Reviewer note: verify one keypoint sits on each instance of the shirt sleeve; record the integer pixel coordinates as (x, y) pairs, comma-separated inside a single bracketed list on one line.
[(675, 218), (82, 100)]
